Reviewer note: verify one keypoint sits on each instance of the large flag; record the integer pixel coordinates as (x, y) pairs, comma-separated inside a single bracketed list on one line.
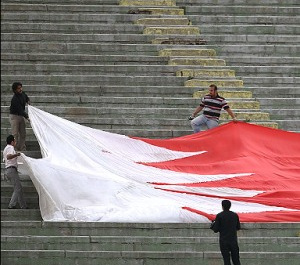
[(87, 174)]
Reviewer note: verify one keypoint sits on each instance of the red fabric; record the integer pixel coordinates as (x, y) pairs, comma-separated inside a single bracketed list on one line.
[(272, 155)]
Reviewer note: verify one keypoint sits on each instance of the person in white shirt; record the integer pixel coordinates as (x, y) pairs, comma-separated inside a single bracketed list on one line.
[(11, 166)]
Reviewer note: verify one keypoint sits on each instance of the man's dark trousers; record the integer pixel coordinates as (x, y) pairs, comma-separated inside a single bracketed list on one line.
[(228, 248)]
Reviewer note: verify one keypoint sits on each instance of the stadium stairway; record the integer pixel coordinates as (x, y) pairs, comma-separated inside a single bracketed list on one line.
[(138, 69)]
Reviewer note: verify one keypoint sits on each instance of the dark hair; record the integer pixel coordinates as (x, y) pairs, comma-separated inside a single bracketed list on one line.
[(9, 139), (15, 86), (226, 204), (214, 86)]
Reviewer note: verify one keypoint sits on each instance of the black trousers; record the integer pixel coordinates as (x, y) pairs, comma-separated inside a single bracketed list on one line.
[(230, 249)]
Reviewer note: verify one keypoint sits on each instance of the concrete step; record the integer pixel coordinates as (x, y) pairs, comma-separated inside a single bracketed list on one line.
[(175, 30), (242, 60), (140, 243), (257, 45), (139, 257), (248, 19), (285, 112), (253, 50), (16, 3), (224, 72), (231, 71), (142, 70), (275, 92), (291, 125), (187, 52), (72, 28), (91, 103), (179, 2), (32, 202), (251, 29), (253, 42), (195, 82), (223, 39), (85, 38), (73, 14), (94, 7), (269, 81), (89, 58), (28, 190), (102, 79), (137, 80), (205, 72), (197, 61), (85, 44), (88, 43), (242, 10), (226, 94), (15, 214), (18, 228), (140, 91), (102, 90), (146, 3), (164, 21), (278, 103), (67, 14), (239, 2)]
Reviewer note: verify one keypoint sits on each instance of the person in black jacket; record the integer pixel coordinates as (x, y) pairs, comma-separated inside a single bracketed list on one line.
[(227, 223), (18, 115)]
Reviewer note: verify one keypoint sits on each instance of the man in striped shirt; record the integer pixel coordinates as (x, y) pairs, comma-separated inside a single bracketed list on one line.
[(211, 105)]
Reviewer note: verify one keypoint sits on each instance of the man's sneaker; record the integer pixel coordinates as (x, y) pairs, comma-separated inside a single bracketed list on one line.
[(11, 207)]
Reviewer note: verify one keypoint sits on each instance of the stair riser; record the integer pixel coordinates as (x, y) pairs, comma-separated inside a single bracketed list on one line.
[(118, 258), (84, 244)]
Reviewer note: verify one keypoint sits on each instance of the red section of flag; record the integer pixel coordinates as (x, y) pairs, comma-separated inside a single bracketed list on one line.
[(261, 217), (273, 156)]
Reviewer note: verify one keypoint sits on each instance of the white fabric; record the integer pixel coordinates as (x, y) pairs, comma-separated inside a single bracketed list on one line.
[(91, 175)]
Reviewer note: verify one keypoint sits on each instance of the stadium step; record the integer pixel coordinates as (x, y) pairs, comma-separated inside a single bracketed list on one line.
[(146, 3), (140, 243), (182, 30), (141, 229), (163, 21), (219, 83)]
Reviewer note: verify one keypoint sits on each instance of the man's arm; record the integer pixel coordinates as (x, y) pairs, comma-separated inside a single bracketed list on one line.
[(12, 156), (229, 111), (197, 110), (215, 226)]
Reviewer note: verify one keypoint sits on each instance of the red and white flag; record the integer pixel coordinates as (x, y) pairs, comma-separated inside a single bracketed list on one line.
[(91, 175)]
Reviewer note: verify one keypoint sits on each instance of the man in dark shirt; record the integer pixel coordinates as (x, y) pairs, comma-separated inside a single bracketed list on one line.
[(212, 105), (227, 223), (18, 115)]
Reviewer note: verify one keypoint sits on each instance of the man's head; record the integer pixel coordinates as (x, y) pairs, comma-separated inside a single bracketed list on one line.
[(17, 87), (10, 140), (213, 90), (226, 204)]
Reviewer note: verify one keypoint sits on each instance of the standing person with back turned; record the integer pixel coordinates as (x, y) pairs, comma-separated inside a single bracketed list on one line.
[(11, 167), (18, 115), (212, 105), (227, 223)]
